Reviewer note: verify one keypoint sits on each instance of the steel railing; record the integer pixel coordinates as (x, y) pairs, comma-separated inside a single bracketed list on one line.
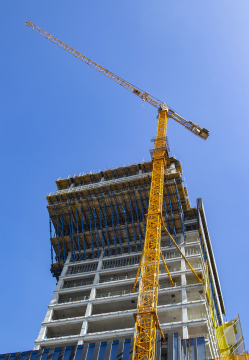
[(115, 293), (79, 283), (79, 298), (116, 278)]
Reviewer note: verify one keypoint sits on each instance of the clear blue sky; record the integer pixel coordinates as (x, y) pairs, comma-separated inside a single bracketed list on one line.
[(59, 117)]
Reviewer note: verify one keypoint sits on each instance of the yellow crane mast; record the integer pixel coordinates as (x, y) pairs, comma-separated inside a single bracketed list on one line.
[(146, 316)]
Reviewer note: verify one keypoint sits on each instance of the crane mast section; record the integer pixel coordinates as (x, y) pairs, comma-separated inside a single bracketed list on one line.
[(146, 316), (196, 129)]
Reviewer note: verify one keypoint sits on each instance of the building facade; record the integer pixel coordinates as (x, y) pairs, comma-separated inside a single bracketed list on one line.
[(97, 231)]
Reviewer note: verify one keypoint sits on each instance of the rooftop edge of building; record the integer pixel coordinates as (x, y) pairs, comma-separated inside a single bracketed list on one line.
[(107, 174)]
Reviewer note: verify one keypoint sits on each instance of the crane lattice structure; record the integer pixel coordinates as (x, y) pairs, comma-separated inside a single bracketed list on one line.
[(146, 317)]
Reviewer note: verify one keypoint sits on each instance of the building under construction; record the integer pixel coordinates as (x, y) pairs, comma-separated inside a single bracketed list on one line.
[(98, 229), (97, 232), (136, 275)]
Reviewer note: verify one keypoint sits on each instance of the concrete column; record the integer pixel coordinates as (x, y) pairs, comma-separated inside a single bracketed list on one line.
[(183, 268), (64, 270), (59, 284), (37, 347), (81, 341), (99, 265), (55, 298), (183, 276), (84, 328), (89, 309), (184, 319), (92, 294), (183, 280), (183, 263), (41, 336), (83, 332), (48, 316), (181, 239), (184, 309), (49, 313), (68, 258), (184, 297), (88, 312), (96, 278), (53, 301)]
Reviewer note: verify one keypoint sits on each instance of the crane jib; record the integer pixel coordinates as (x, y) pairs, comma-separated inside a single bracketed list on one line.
[(195, 129)]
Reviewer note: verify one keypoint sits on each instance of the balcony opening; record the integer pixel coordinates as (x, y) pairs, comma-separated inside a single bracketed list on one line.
[(113, 306), (63, 330), (70, 312), (74, 296)]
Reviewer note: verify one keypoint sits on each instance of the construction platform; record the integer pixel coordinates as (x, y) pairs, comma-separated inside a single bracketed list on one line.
[(98, 211)]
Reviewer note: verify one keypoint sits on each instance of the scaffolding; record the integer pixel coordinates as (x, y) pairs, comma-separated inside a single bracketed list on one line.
[(106, 211)]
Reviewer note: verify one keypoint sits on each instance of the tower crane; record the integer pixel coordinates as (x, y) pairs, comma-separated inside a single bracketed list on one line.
[(146, 317)]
